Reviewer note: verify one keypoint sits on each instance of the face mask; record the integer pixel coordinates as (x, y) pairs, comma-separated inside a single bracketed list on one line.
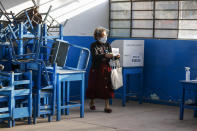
[(103, 40)]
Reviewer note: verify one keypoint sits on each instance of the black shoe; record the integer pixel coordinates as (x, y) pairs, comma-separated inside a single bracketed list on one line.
[(108, 110), (92, 107)]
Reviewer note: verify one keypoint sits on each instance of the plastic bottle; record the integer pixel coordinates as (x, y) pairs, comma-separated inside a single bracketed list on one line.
[(187, 73)]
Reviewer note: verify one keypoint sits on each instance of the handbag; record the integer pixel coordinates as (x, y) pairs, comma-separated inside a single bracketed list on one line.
[(116, 74)]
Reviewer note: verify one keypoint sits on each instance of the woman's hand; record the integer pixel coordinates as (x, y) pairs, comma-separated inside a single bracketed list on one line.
[(118, 56), (109, 56)]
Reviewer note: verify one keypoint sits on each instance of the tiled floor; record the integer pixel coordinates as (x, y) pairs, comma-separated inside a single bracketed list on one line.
[(133, 117)]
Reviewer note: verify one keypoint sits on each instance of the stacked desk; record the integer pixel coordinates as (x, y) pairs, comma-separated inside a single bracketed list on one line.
[(63, 101)]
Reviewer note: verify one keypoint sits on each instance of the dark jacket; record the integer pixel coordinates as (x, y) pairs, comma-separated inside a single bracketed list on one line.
[(98, 51)]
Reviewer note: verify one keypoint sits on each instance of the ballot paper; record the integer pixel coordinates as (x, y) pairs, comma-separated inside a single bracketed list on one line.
[(115, 51)]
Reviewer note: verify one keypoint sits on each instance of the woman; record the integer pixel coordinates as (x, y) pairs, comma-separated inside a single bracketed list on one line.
[(99, 82)]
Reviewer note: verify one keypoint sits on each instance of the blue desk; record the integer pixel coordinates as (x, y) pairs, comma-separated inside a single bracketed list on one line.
[(64, 103), (125, 92), (192, 86)]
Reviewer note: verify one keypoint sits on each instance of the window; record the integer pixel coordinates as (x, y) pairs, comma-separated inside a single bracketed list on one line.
[(153, 19)]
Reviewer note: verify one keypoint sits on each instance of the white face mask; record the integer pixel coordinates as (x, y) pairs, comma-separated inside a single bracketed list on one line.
[(103, 39)]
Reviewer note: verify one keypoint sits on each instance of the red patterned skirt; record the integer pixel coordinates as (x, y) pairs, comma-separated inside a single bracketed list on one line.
[(99, 83)]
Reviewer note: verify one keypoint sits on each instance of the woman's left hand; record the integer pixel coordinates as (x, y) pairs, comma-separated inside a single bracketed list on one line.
[(118, 56)]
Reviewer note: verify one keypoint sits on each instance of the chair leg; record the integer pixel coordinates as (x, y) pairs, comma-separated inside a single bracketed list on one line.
[(124, 90), (63, 98), (50, 118), (44, 116), (110, 101), (82, 97), (34, 120), (182, 104), (13, 123), (67, 97), (195, 114), (9, 123), (29, 120), (58, 118)]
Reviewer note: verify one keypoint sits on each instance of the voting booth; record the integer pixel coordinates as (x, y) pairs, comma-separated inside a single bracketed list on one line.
[(131, 52), (132, 62)]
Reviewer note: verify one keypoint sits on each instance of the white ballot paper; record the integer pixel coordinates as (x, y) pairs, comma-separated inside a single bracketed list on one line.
[(115, 51)]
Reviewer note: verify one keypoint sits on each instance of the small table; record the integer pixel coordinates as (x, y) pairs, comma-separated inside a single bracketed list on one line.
[(126, 73), (187, 85), (64, 103)]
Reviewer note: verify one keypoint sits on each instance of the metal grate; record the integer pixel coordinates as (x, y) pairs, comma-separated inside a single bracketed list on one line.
[(161, 19)]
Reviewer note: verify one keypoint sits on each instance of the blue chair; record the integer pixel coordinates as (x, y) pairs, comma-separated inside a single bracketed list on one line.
[(6, 106), (16, 96), (45, 95)]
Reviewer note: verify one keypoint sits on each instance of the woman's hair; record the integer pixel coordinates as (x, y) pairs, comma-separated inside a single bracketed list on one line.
[(98, 32)]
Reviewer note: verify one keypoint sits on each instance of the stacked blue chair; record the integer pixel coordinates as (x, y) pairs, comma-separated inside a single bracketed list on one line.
[(43, 92), (43, 82), (27, 43), (16, 96), (45, 95), (6, 103)]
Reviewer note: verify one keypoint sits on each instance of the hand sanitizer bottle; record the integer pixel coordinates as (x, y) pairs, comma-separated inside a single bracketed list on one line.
[(187, 73)]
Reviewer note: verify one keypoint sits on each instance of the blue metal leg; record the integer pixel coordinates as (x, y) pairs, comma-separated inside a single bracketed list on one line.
[(35, 120), (110, 101), (195, 114), (29, 120), (127, 88), (35, 109), (12, 100), (20, 43), (58, 99), (54, 87), (63, 97), (13, 123), (124, 89), (44, 103), (38, 104), (82, 97), (30, 102), (49, 118), (54, 100), (140, 96), (10, 111), (195, 111), (38, 90), (182, 103), (9, 123), (67, 96)]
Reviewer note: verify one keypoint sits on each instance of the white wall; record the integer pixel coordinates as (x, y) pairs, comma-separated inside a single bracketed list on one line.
[(16, 5), (85, 23), (82, 22)]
